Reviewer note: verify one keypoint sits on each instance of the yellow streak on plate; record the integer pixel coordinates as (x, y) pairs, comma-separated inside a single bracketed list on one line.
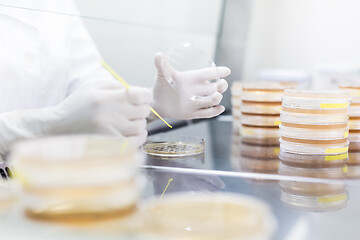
[(334, 105), (337, 157), (336, 150), (276, 150), (338, 198)]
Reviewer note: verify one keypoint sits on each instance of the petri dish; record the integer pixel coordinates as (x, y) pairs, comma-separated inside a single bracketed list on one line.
[(7, 196), (314, 132), (354, 136), (209, 216), (236, 111), (314, 161), (262, 92), (354, 110), (316, 99), (183, 58), (173, 146), (323, 203), (261, 107), (354, 123), (260, 135), (353, 89), (88, 178), (236, 89), (354, 146), (260, 120), (314, 148), (314, 117)]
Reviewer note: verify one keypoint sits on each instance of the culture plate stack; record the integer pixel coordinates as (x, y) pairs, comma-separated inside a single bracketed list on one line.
[(314, 131), (260, 113)]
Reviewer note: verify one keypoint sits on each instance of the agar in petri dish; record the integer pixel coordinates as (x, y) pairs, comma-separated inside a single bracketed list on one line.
[(173, 146), (315, 99), (260, 120), (260, 107), (313, 161), (259, 151), (353, 171), (181, 59), (262, 92), (260, 135), (315, 147), (209, 216), (314, 117), (314, 132)]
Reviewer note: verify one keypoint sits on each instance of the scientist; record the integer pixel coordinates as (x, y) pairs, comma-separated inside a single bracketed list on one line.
[(52, 81)]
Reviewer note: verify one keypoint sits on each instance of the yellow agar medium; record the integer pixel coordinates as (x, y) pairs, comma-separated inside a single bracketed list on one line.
[(336, 157), (334, 105), (126, 85), (336, 150)]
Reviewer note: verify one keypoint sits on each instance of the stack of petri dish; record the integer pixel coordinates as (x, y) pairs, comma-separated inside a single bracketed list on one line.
[(235, 103), (314, 143), (314, 122), (260, 113), (78, 179)]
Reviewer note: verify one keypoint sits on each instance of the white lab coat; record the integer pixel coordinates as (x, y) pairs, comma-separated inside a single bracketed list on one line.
[(43, 56)]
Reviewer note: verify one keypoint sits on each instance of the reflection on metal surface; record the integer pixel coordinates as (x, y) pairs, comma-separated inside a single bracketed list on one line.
[(209, 216), (313, 196)]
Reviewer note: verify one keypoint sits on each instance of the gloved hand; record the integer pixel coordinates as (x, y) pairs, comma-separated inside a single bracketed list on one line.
[(169, 103), (101, 107)]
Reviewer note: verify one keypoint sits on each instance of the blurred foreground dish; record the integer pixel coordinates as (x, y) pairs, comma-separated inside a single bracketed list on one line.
[(77, 179)]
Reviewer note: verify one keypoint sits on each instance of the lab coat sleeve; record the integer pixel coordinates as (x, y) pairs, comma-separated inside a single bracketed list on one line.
[(84, 58)]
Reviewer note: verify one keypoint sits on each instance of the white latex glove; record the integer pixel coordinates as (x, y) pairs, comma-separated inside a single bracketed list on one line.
[(101, 107), (169, 103)]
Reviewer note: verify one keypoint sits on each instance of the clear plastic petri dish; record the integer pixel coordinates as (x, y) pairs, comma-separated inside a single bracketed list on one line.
[(181, 59), (260, 107), (260, 135), (354, 146), (236, 88), (353, 89), (260, 120), (315, 203), (306, 116), (259, 152), (314, 148), (236, 111), (314, 132), (314, 161), (88, 178), (354, 123), (316, 99), (208, 216), (262, 92), (354, 110), (163, 145), (354, 136)]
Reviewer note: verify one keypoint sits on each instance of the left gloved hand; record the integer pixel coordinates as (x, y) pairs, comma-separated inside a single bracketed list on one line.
[(169, 103)]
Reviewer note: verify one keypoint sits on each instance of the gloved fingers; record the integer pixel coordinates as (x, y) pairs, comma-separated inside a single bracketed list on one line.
[(204, 89), (139, 95), (209, 101), (103, 85), (222, 85), (139, 139), (132, 112), (158, 63), (209, 112), (210, 73), (133, 128)]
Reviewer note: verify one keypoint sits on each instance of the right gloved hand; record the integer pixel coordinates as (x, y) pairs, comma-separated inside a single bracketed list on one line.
[(101, 107), (107, 108)]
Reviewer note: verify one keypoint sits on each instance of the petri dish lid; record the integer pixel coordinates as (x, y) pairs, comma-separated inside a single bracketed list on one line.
[(313, 93), (184, 58)]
